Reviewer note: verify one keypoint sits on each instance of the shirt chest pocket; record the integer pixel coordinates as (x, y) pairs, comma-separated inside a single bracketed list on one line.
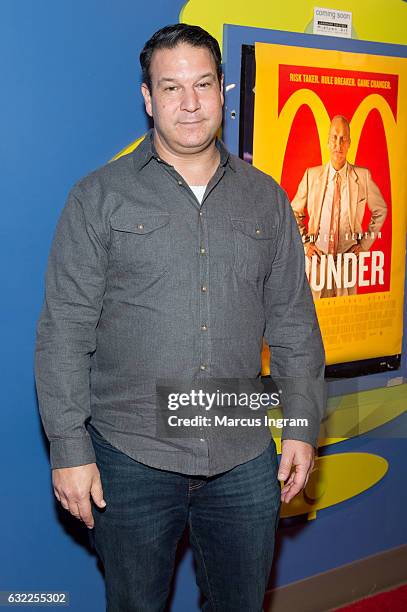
[(254, 243), (140, 242)]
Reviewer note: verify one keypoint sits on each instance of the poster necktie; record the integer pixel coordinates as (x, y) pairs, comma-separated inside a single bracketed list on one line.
[(335, 216)]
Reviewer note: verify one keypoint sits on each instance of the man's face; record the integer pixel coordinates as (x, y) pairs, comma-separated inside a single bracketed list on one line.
[(338, 143), (186, 99)]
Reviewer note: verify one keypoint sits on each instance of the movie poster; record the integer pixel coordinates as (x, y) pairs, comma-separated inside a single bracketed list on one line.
[(330, 127)]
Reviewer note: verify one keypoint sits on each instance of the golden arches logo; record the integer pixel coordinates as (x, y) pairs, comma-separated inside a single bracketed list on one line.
[(281, 126)]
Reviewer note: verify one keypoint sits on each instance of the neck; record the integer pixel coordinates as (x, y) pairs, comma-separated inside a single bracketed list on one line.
[(196, 167), (338, 168)]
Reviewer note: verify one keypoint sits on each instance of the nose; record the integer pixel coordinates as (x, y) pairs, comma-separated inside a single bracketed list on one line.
[(190, 100), (337, 143)]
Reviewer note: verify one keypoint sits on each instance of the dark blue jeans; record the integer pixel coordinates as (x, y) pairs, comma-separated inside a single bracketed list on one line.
[(232, 519)]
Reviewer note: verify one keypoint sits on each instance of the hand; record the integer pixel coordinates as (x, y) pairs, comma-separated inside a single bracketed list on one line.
[(356, 248), (313, 250), (298, 456), (73, 487)]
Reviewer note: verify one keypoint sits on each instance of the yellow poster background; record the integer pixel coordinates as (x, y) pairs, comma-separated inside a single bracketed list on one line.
[(360, 326)]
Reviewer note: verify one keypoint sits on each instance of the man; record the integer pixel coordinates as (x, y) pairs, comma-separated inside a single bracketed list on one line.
[(335, 197), (173, 262)]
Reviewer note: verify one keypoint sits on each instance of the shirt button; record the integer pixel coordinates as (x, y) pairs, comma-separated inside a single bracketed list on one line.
[(258, 231), (202, 250), (204, 288), (140, 226), (200, 213), (203, 366), (204, 327), (180, 183), (202, 439)]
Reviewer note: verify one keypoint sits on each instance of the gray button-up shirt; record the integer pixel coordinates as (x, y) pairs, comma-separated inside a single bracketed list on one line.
[(143, 282)]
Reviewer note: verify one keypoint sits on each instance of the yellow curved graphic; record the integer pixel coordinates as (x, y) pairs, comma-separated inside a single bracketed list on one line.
[(368, 17), (374, 102), (355, 414), (287, 115), (129, 148), (335, 479)]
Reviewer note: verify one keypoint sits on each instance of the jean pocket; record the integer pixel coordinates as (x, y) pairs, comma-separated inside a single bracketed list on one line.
[(97, 437)]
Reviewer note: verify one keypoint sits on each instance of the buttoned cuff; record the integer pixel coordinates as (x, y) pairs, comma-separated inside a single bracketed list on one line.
[(303, 402), (301, 434), (308, 432), (71, 452)]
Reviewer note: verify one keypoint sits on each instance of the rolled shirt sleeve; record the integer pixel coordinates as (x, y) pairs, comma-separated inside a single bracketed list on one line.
[(66, 333), (297, 361)]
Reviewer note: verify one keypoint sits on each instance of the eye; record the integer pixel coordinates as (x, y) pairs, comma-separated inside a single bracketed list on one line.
[(204, 85), (171, 88)]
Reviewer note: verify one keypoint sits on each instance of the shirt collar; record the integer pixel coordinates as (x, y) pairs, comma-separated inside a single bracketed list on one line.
[(342, 172), (146, 150)]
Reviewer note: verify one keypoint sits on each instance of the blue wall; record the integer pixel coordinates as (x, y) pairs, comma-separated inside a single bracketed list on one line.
[(70, 101)]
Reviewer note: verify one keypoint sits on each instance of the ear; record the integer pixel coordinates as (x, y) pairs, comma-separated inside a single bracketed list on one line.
[(145, 92), (222, 96)]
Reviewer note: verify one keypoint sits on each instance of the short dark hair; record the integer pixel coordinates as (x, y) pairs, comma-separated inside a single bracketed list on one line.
[(172, 35)]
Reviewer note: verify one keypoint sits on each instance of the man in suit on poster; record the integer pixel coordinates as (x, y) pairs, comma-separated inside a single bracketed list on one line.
[(335, 196)]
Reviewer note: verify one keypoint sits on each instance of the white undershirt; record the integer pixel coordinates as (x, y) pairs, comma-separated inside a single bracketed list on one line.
[(199, 191)]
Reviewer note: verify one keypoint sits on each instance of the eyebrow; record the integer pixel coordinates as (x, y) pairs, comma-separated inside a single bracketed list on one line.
[(205, 76), (172, 80)]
